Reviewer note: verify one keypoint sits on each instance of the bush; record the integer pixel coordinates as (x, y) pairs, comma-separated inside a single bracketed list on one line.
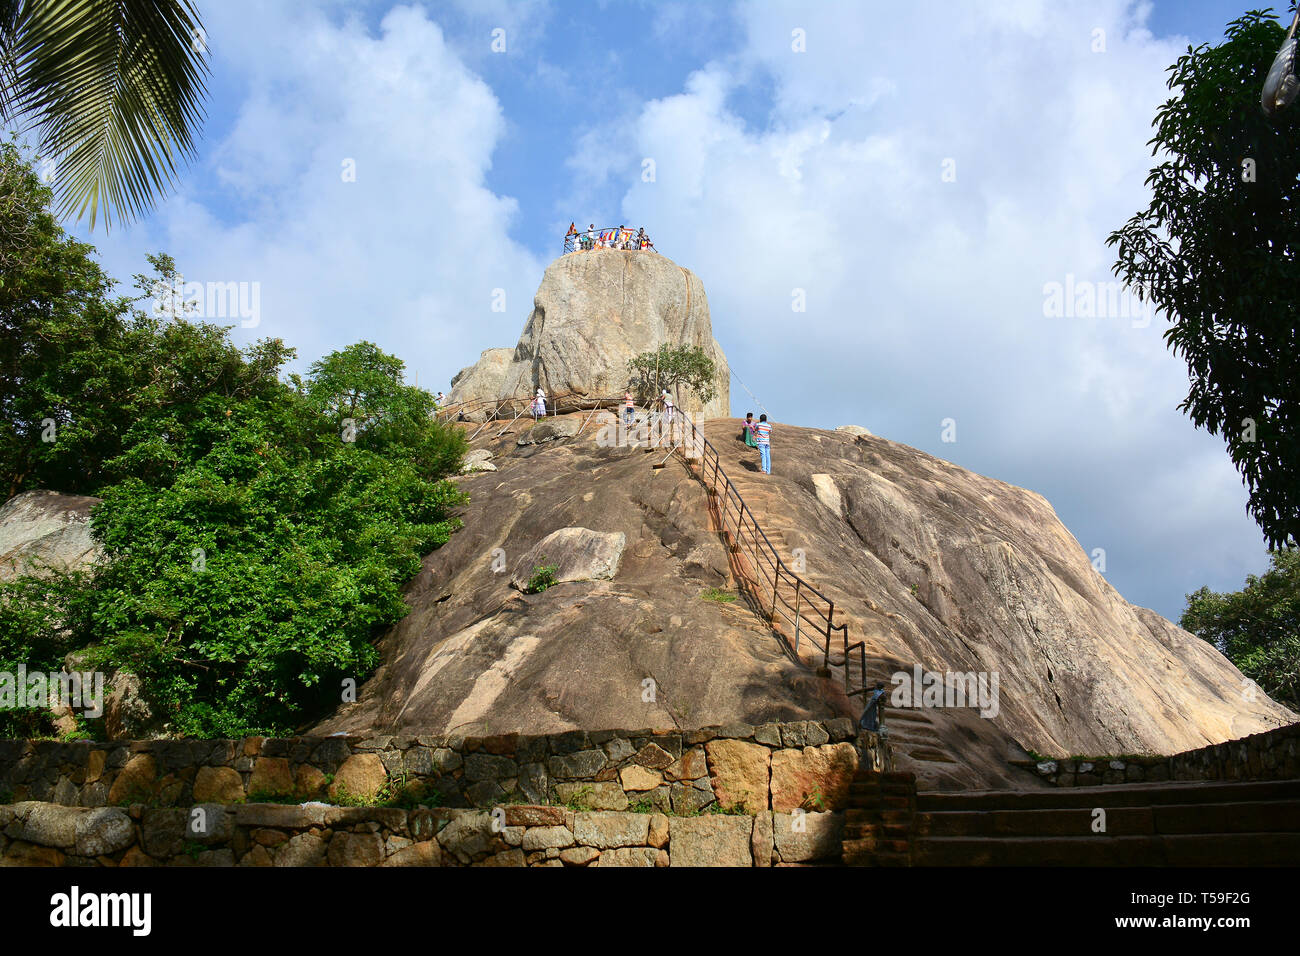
[(543, 577)]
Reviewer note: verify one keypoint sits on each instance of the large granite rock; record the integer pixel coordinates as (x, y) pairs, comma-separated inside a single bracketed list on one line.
[(484, 380), (43, 532), (642, 648), (936, 566), (593, 312), (930, 564)]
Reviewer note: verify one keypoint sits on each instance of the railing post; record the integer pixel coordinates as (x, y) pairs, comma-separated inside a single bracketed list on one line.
[(827, 659), (797, 602), (776, 581)]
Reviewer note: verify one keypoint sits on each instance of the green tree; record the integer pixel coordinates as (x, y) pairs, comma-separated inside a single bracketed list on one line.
[(63, 341), (253, 550), (1218, 252), (670, 367), (1258, 627), (115, 88), (86, 377), (362, 391)]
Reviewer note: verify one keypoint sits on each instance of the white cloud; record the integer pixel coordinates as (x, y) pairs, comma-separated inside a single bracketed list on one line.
[(410, 253), (925, 297)]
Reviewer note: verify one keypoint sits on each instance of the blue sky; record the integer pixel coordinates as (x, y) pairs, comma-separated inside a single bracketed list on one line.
[(821, 170)]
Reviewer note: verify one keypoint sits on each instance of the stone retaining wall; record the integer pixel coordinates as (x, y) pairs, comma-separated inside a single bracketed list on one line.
[(45, 834), (1272, 755), (773, 767)]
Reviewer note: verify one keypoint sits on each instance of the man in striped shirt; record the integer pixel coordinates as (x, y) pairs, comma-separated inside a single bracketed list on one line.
[(763, 435)]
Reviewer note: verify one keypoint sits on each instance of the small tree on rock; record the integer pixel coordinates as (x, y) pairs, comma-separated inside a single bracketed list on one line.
[(669, 367)]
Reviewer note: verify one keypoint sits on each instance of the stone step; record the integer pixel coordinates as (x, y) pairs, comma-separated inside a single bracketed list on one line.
[(1227, 818), (912, 741), (863, 796), (877, 829), (873, 845), (915, 734), (1119, 795), (1202, 849), (905, 746), (930, 755), (907, 716)]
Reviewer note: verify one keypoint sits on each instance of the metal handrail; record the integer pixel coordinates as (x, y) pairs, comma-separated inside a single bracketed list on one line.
[(766, 553), (568, 403)]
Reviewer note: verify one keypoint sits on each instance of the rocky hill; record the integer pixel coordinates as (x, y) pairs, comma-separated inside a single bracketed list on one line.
[(480, 655), (593, 311), (931, 564)]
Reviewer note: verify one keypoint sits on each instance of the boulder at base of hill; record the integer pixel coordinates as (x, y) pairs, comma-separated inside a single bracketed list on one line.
[(562, 427), (480, 459), (577, 554), (43, 532)]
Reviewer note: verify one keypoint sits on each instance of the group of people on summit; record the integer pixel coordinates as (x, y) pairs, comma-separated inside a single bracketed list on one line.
[(620, 238)]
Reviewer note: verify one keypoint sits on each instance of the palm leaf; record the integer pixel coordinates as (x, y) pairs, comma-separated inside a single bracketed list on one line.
[(115, 88)]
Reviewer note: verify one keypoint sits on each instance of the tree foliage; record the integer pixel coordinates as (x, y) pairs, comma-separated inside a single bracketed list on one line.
[(115, 88), (255, 544), (1218, 252), (669, 367), (1258, 627)]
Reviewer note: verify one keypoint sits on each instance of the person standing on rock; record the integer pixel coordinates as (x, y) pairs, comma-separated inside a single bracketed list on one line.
[(763, 438), (668, 406), (747, 431), (539, 405), (629, 407), (870, 719)]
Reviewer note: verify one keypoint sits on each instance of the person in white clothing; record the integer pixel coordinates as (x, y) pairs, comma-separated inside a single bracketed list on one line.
[(668, 406), (539, 405)]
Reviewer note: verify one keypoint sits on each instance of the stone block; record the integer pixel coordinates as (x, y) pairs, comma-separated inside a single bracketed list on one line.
[(738, 772), (711, 840), (608, 829), (799, 776), (808, 836)]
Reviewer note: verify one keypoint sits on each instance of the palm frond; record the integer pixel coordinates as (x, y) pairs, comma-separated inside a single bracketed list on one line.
[(115, 88)]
